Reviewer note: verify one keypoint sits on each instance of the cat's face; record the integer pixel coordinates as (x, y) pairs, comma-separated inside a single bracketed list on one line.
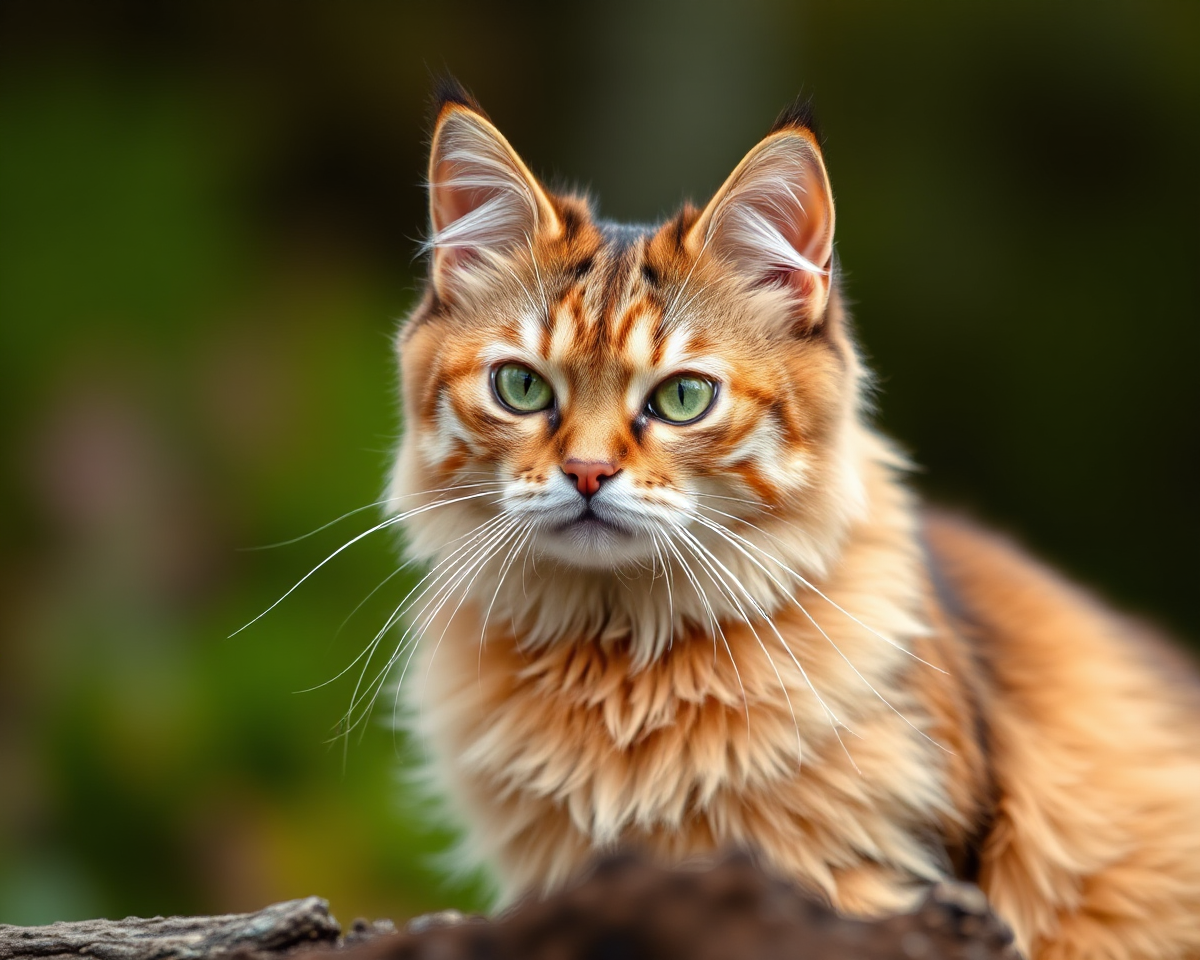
[(606, 393)]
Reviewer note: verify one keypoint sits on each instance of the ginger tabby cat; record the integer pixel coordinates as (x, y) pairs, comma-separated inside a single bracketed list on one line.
[(681, 597)]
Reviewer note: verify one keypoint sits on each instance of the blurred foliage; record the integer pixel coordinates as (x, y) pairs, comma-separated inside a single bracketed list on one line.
[(208, 219)]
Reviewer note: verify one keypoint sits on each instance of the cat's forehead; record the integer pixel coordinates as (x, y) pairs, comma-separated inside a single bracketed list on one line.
[(601, 307), (602, 288), (621, 237), (612, 307)]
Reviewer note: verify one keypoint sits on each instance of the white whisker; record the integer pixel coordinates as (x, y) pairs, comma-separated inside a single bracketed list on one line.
[(382, 583), (518, 544), (809, 585), (693, 544), (442, 569), (538, 274), (358, 510), (758, 505), (408, 641), (718, 630), (424, 621), (390, 521), (670, 591), (721, 532), (524, 290), (669, 313), (702, 551)]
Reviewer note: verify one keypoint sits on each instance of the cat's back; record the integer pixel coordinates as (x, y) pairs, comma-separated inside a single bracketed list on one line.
[(1032, 630), (1090, 738)]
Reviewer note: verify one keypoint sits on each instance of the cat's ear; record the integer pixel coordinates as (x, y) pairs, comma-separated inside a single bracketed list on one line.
[(772, 220), (482, 197)]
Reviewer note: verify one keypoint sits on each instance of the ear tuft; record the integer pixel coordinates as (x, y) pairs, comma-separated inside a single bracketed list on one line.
[(447, 89), (799, 114)]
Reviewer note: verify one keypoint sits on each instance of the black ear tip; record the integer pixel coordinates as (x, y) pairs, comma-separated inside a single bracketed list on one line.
[(799, 113), (447, 90)]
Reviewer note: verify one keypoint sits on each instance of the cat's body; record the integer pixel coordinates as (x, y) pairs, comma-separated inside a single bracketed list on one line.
[(738, 628)]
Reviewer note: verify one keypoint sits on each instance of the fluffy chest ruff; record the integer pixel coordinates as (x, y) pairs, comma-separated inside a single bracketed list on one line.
[(803, 739)]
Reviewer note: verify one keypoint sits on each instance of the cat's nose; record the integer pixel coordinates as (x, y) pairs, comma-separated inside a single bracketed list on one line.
[(589, 474)]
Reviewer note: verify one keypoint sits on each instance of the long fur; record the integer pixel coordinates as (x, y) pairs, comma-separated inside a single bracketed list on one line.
[(762, 639)]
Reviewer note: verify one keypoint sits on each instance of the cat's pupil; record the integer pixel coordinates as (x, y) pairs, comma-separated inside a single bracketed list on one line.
[(528, 382), (681, 392)]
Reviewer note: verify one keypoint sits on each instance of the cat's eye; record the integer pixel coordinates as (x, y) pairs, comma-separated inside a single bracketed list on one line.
[(682, 398), (520, 389)]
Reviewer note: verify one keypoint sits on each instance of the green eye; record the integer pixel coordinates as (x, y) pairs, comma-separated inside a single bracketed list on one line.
[(682, 399), (522, 390)]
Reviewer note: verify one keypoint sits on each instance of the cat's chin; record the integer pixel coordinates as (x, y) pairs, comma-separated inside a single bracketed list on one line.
[(594, 544)]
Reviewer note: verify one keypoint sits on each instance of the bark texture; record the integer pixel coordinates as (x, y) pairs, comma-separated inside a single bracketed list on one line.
[(734, 911), (279, 928), (622, 909)]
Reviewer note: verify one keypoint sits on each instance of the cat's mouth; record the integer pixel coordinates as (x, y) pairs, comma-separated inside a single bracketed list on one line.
[(590, 521), (596, 539)]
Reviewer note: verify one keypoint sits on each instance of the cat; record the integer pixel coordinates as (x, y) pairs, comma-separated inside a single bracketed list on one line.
[(681, 597)]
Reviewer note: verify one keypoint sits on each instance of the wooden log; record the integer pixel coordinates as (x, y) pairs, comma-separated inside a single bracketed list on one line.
[(734, 911), (279, 928), (623, 908)]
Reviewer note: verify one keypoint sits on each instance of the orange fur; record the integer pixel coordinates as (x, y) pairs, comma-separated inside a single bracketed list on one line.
[(762, 640)]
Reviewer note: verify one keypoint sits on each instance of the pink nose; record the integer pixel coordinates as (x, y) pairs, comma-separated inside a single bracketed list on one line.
[(589, 474)]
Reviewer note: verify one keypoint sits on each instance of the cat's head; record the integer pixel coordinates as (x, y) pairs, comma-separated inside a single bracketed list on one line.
[(601, 393)]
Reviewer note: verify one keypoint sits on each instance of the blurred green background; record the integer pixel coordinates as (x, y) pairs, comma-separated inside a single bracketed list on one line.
[(208, 221)]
